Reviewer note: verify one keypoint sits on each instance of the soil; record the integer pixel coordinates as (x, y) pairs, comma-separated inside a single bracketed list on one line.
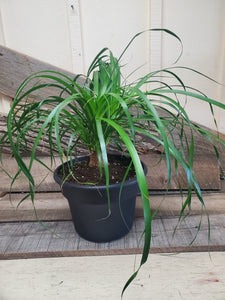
[(83, 173)]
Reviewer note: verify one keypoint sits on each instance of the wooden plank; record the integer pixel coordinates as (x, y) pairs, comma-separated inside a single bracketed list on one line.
[(53, 206), (109, 252), (43, 178), (156, 176), (15, 67), (43, 147), (180, 276), (49, 206), (170, 205), (157, 172), (30, 239)]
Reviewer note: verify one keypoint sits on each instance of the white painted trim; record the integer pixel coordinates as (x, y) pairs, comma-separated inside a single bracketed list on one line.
[(2, 32), (156, 37), (75, 36), (5, 102), (219, 114)]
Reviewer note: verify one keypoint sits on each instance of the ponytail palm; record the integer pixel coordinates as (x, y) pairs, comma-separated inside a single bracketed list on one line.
[(105, 110)]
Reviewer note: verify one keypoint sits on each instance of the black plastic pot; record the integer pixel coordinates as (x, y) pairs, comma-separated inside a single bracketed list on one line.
[(89, 207)]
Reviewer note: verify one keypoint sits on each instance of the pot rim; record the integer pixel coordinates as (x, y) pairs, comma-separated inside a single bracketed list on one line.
[(87, 186)]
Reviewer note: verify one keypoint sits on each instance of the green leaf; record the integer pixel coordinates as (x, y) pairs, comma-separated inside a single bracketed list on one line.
[(143, 190)]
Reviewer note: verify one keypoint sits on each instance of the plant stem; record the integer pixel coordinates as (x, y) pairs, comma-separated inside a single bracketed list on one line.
[(93, 159)]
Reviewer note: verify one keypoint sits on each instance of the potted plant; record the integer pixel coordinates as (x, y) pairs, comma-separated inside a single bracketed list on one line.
[(100, 109)]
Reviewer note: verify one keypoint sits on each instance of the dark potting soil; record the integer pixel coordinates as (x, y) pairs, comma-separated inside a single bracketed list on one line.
[(83, 173)]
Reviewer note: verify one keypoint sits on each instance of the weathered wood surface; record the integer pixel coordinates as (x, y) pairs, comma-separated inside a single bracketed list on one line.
[(43, 177), (54, 207), (205, 167), (30, 239), (49, 206), (43, 147), (186, 276), (15, 67)]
